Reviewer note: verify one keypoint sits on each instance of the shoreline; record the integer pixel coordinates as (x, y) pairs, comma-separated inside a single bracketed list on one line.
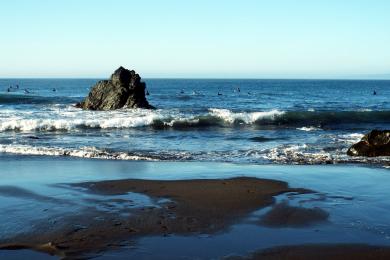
[(48, 158)]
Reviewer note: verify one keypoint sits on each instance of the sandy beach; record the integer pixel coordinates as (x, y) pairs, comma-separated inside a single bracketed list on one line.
[(322, 252), (123, 216), (179, 207)]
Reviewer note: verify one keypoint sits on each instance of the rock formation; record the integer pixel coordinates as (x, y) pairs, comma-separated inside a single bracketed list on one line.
[(123, 90), (375, 143)]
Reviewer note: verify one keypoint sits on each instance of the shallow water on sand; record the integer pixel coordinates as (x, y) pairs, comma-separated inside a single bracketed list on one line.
[(24, 254), (355, 197)]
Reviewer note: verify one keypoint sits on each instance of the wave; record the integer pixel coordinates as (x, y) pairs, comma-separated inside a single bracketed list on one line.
[(349, 138), (71, 119), (57, 119), (83, 152), (303, 154), (306, 154), (309, 129), (329, 118), (332, 151), (245, 117), (282, 154)]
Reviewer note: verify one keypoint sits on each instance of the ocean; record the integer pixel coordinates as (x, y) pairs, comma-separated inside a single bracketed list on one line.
[(201, 120), (203, 131)]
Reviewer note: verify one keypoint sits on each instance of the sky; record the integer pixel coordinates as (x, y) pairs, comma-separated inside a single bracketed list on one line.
[(196, 38)]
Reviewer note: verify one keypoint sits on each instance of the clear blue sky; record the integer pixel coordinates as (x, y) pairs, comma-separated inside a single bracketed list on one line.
[(196, 38)]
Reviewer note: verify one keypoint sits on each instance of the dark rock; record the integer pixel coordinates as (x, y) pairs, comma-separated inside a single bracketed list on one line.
[(123, 90), (375, 143)]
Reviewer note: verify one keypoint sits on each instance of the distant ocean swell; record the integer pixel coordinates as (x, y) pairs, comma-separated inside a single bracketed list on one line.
[(72, 119), (20, 99)]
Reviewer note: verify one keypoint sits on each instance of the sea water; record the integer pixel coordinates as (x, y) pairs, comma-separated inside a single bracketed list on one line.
[(251, 121)]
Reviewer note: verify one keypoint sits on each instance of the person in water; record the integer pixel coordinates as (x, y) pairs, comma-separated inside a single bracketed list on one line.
[(374, 93)]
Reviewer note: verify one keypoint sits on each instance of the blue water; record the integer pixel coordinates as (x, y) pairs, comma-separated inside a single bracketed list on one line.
[(252, 121)]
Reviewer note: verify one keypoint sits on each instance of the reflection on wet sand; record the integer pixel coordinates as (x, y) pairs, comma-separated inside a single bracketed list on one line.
[(184, 207)]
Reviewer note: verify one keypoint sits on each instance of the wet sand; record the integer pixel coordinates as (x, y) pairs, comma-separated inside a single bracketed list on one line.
[(284, 215), (203, 218), (184, 207), (210, 202)]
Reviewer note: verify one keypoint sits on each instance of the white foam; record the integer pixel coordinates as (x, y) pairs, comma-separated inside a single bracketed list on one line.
[(246, 117), (309, 129), (349, 138), (307, 154), (82, 152), (297, 154), (70, 118)]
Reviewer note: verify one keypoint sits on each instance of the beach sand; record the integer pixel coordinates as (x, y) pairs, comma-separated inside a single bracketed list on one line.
[(320, 252), (176, 217), (187, 207)]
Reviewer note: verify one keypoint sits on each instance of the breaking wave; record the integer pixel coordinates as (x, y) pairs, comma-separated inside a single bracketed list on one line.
[(309, 129), (76, 119), (57, 119)]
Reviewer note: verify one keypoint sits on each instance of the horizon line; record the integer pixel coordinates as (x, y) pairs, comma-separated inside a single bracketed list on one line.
[(214, 78)]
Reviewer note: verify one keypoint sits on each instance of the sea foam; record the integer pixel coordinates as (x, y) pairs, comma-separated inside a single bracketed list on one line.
[(68, 119), (244, 117), (72, 119), (82, 152)]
